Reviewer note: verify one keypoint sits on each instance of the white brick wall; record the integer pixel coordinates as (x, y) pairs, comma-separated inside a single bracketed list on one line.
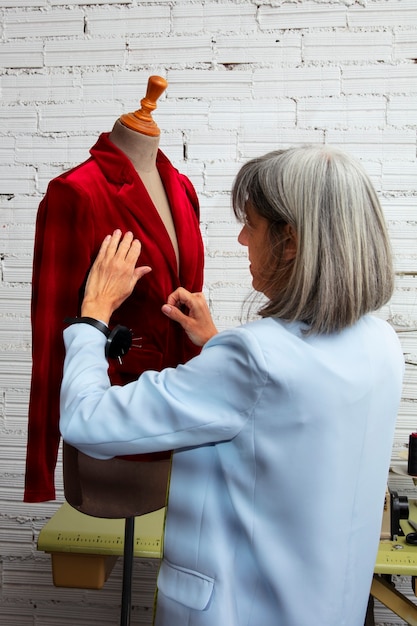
[(244, 77)]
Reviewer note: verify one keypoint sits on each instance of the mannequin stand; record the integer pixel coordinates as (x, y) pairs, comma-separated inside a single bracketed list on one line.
[(127, 571)]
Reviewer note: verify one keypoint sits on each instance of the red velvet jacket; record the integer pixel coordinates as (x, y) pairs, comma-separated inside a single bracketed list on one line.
[(79, 209)]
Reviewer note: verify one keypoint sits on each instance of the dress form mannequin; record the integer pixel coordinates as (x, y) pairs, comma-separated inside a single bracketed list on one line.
[(121, 488), (127, 183)]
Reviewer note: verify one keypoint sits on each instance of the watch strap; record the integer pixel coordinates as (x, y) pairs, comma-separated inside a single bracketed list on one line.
[(89, 320), (119, 339)]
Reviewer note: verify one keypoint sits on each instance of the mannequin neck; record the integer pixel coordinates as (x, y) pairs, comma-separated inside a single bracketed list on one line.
[(140, 149)]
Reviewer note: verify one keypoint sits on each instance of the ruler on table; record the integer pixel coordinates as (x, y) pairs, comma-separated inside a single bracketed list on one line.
[(71, 531)]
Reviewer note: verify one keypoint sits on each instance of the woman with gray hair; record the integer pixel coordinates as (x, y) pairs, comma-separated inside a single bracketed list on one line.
[(281, 428)]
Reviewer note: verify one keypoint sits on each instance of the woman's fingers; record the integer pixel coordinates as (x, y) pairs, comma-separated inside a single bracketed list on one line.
[(180, 297), (123, 244), (113, 244), (134, 251), (197, 323)]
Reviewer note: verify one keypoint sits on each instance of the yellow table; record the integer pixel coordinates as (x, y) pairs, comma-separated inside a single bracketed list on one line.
[(84, 549)]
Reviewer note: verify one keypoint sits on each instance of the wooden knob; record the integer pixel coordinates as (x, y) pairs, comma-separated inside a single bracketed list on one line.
[(141, 120)]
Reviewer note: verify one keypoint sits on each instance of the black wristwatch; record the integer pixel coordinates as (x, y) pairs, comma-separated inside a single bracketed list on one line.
[(119, 339)]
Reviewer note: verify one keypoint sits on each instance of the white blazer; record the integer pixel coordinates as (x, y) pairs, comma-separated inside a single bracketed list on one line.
[(282, 449)]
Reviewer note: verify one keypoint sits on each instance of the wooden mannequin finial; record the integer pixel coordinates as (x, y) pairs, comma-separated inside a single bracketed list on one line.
[(141, 120)]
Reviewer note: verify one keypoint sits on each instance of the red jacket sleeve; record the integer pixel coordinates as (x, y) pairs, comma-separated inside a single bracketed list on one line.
[(63, 218)]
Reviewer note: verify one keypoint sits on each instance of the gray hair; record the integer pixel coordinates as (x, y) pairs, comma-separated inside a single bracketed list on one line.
[(343, 265)]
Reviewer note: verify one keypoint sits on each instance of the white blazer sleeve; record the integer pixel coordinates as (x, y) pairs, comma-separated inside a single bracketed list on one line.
[(207, 400)]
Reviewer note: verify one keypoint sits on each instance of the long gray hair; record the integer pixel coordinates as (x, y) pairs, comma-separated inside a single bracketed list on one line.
[(343, 265)]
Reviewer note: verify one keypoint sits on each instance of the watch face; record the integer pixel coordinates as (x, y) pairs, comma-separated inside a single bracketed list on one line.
[(118, 342)]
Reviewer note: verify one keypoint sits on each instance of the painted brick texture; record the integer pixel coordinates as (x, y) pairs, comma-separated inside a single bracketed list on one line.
[(244, 78)]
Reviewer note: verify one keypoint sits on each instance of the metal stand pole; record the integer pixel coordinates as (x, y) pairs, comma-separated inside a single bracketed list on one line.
[(128, 551)]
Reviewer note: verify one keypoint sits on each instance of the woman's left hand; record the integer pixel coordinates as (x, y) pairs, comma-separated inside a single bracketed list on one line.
[(197, 323), (113, 276)]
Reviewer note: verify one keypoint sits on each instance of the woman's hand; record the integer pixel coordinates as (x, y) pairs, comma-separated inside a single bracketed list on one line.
[(113, 276), (198, 324)]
